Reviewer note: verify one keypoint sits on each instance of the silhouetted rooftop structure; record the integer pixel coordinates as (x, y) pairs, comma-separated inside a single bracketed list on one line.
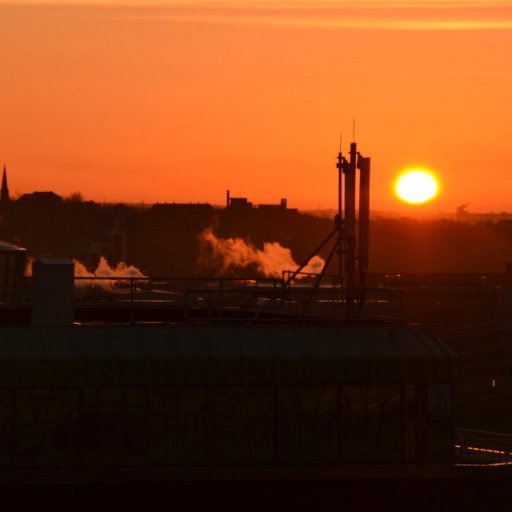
[(244, 203), (182, 207), (40, 198), (239, 202), (278, 206), (12, 265), (272, 395)]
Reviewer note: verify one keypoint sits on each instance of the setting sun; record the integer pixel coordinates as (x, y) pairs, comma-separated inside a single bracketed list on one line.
[(416, 186)]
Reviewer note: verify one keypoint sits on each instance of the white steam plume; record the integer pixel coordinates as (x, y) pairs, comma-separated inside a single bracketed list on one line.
[(105, 270), (102, 270), (235, 253)]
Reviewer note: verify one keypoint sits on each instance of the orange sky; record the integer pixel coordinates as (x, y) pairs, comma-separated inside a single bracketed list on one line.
[(180, 101)]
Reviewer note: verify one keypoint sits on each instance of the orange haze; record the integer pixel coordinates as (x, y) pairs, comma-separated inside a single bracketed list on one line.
[(180, 101)]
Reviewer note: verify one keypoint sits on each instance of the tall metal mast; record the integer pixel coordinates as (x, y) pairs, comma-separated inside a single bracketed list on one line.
[(350, 227), (339, 217), (347, 240)]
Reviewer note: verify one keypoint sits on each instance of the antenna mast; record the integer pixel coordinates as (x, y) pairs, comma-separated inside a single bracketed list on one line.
[(353, 236), (347, 240), (338, 222)]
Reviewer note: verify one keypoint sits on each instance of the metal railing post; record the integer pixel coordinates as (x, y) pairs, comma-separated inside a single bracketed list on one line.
[(132, 279), (221, 312)]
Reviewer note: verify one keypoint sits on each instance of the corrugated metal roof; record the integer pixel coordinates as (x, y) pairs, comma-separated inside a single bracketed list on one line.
[(222, 355)]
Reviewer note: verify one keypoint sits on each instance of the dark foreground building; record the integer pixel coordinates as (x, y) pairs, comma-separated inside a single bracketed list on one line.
[(228, 412), (91, 397), (232, 418), (170, 407)]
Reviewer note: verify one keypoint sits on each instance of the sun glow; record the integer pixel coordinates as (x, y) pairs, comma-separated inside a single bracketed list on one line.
[(416, 186)]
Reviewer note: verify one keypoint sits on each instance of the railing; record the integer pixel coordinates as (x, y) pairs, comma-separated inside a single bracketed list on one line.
[(240, 299), (482, 447)]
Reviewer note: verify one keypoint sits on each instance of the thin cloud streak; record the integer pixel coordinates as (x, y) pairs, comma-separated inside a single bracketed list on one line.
[(352, 14), (365, 24), (272, 3)]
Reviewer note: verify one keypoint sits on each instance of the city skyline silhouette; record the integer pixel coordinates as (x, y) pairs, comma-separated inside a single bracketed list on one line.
[(177, 101)]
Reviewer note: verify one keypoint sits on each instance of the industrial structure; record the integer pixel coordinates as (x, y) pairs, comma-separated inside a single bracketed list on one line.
[(351, 235), (170, 379)]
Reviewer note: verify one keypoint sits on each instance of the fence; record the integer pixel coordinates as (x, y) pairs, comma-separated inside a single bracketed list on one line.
[(250, 300), (482, 447)]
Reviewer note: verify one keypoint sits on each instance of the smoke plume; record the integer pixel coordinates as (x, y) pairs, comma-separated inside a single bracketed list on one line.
[(236, 253), (102, 270), (105, 270)]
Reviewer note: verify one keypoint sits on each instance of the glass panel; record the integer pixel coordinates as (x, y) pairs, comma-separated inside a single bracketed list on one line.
[(307, 424), (62, 437), (46, 428), (371, 424), (177, 425), (6, 426), (30, 417), (410, 423), (441, 423), (114, 426), (243, 425)]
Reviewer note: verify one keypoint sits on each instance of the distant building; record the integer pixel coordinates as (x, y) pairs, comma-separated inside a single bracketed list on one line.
[(40, 199), (279, 206), (243, 203), (182, 208), (240, 202), (237, 202)]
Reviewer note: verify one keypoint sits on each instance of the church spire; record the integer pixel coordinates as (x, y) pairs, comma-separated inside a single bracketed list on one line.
[(4, 192)]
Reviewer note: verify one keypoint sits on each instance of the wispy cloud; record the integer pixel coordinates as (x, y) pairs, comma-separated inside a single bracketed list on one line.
[(356, 14)]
